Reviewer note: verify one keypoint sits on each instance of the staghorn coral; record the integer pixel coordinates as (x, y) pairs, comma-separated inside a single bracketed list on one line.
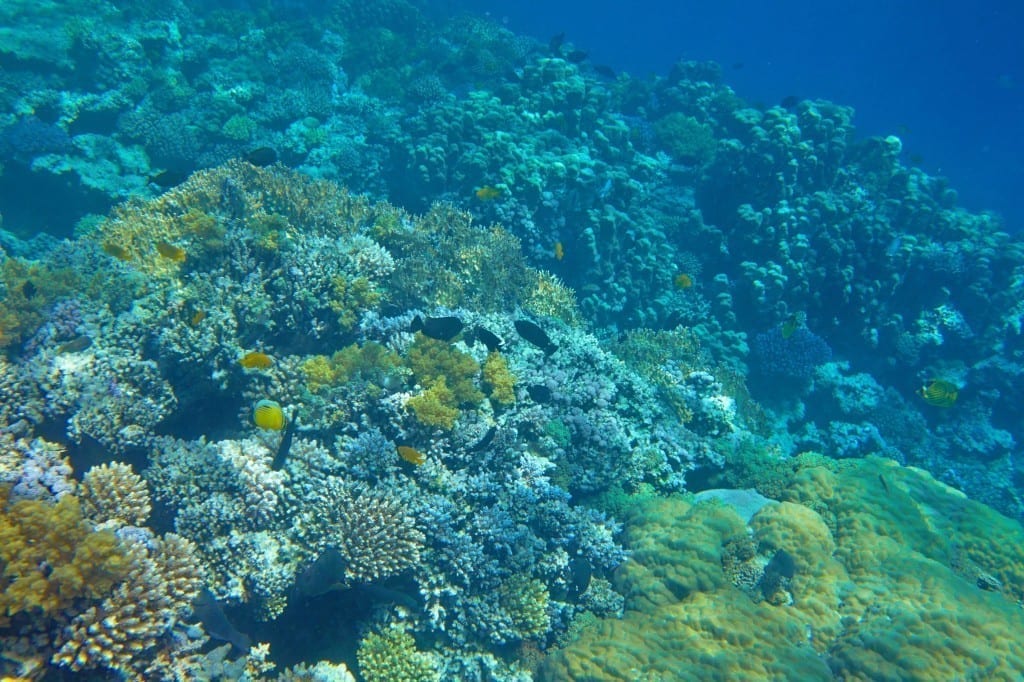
[(35, 469), (135, 620), (391, 654), (374, 533), (113, 492)]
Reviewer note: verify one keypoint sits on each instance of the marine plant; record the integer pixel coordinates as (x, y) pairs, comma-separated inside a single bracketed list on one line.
[(685, 137)]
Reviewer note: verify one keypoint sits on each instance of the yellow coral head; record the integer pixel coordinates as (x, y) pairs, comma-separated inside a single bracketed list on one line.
[(268, 414)]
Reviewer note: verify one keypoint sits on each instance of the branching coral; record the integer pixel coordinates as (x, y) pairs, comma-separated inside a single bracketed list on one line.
[(128, 625), (391, 654), (374, 533), (113, 492)]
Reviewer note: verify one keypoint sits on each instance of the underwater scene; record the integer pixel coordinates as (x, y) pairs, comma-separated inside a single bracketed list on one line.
[(374, 340)]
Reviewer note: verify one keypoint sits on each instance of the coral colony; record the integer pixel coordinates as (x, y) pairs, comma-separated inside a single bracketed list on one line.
[(389, 349)]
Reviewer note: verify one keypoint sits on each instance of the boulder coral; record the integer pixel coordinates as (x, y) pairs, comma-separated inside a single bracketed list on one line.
[(892, 575)]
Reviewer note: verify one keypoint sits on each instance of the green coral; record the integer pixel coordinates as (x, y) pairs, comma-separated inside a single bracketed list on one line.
[(526, 601), (351, 297), (240, 128), (391, 654), (685, 138), (888, 567), (499, 379)]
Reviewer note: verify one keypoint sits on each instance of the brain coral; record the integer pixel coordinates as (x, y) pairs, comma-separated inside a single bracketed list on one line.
[(894, 576)]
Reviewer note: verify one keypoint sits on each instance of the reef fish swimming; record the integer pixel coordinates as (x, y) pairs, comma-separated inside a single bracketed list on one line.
[(535, 335), (440, 328), (268, 414)]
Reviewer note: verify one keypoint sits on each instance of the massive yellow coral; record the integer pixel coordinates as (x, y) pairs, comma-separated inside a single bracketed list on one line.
[(890, 575)]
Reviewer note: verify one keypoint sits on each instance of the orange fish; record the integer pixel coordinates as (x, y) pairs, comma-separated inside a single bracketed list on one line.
[(117, 251), (559, 251), (411, 455), (488, 193), (256, 360), (682, 281), (170, 251)]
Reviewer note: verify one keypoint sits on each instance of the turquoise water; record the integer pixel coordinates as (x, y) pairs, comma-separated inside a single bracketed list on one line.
[(379, 341)]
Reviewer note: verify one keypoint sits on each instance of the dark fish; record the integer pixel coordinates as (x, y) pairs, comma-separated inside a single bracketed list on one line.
[(782, 565), (555, 44), (535, 335), (605, 71), (384, 595), (262, 156), (75, 345), (738, 65), (674, 319), (210, 613), (790, 102), (28, 289), (485, 441), (169, 178), (540, 393), (580, 573), (576, 56), (885, 485), (489, 339), (325, 574), (440, 328), (286, 443)]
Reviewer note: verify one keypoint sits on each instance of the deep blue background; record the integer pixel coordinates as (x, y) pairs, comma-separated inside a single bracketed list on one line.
[(947, 78)]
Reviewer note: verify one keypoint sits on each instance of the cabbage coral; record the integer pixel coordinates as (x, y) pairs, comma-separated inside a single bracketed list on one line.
[(50, 557)]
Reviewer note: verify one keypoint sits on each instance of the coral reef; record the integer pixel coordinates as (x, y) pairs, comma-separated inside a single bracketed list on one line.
[(881, 570), (667, 236)]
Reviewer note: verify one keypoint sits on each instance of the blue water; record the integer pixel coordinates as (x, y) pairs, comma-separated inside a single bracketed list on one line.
[(948, 79)]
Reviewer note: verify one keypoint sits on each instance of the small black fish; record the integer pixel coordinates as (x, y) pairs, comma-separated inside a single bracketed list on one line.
[(781, 565), (262, 156), (286, 443), (790, 102), (738, 65), (210, 613), (489, 339), (485, 441), (540, 393), (605, 71), (555, 44), (28, 289), (169, 178), (576, 56), (75, 345), (535, 335), (440, 328), (324, 575)]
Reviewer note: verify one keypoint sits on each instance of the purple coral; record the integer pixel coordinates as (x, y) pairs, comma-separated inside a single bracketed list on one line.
[(795, 357)]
